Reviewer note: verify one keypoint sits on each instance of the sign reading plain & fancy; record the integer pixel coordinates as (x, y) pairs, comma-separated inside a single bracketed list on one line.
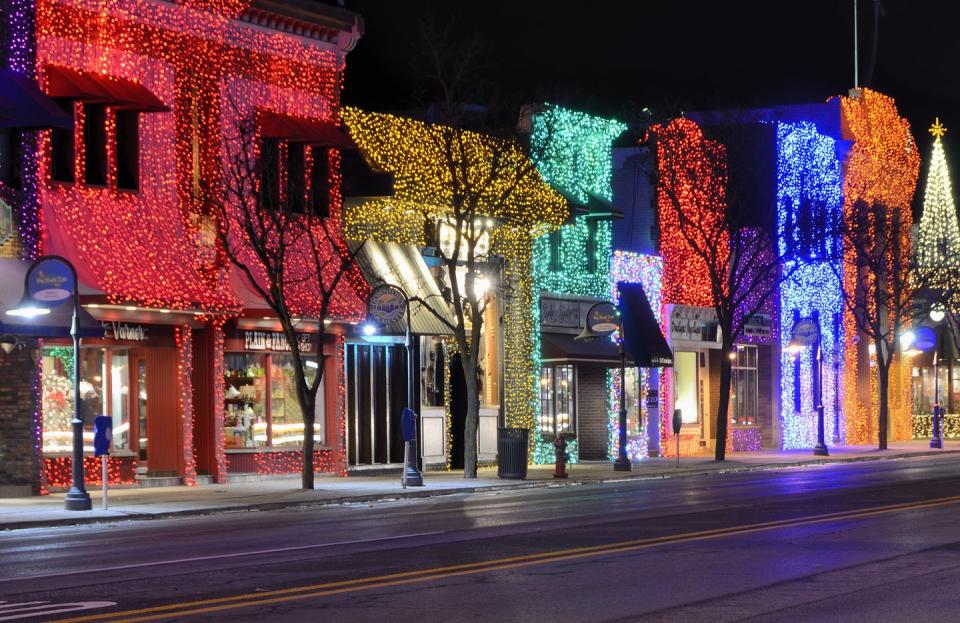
[(268, 340)]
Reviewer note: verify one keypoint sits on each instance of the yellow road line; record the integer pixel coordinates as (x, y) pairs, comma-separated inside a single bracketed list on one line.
[(435, 573)]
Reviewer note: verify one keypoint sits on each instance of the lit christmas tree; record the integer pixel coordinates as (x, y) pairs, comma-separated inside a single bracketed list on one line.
[(938, 252)]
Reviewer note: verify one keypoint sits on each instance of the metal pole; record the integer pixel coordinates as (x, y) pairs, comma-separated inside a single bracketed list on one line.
[(622, 464), (936, 441), (821, 447), (77, 498), (413, 476), (856, 49)]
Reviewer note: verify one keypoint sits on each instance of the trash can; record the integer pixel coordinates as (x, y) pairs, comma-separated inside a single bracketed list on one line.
[(512, 452)]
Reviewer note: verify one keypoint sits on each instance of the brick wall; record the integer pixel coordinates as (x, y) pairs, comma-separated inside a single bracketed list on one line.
[(19, 457), (592, 413)]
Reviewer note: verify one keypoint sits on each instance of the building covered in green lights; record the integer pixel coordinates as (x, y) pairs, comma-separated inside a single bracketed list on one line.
[(571, 271)]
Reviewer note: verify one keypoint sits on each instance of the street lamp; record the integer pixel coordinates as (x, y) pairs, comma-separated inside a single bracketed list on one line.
[(49, 282), (806, 332), (602, 320), (386, 304), (920, 340)]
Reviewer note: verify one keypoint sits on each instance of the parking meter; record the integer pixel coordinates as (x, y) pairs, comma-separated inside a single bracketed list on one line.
[(102, 437)]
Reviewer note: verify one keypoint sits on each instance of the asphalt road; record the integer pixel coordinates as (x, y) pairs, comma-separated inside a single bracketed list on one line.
[(874, 541)]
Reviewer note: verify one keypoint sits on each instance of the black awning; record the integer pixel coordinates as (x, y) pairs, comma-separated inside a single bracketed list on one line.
[(24, 105), (642, 338), (55, 324), (563, 348)]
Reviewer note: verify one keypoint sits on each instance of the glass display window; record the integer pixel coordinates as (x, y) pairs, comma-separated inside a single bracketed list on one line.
[(245, 401), (104, 390), (557, 402), (260, 402)]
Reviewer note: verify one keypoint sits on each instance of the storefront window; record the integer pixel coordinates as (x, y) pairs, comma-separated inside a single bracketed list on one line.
[(743, 397), (120, 399), (245, 404), (287, 420), (685, 373), (925, 389), (432, 371), (57, 398), (557, 405), (261, 407)]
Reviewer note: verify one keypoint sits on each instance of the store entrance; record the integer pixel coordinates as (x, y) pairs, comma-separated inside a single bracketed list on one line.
[(376, 397)]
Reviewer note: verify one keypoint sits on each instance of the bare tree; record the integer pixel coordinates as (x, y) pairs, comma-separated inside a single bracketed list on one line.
[(477, 147), (288, 252), (888, 291), (734, 252)]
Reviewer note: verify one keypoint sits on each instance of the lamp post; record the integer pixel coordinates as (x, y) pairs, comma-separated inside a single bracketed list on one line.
[(936, 441), (602, 320), (49, 282), (386, 304), (806, 332)]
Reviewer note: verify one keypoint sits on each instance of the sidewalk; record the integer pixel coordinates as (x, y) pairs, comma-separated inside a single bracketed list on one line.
[(160, 502)]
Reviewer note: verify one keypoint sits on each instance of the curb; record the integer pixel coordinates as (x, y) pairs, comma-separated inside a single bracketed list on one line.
[(427, 493)]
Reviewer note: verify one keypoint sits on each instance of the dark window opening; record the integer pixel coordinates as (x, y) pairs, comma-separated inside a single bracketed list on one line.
[(11, 158), (296, 178), (591, 246), (62, 151), (269, 173), (95, 144), (128, 149), (320, 182), (555, 240)]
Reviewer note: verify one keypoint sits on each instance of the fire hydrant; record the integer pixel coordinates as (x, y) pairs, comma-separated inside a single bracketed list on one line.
[(560, 446)]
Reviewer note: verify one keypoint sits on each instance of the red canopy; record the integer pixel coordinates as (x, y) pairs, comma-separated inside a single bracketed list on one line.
[(303, 130), (64, 82)]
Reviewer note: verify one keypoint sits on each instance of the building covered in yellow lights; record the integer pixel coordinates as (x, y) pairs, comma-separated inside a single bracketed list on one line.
[(511, 206)]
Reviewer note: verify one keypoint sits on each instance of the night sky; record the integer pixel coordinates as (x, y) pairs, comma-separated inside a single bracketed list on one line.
[(613, 57)]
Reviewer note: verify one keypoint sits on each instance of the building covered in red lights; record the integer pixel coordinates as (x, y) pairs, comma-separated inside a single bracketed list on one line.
[(178, 349)]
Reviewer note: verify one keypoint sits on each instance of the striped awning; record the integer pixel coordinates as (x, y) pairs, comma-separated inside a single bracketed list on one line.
[(402, 265)]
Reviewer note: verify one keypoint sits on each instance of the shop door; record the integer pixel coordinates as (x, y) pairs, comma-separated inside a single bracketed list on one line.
[(376, 395), (157, 407), (138, 404)]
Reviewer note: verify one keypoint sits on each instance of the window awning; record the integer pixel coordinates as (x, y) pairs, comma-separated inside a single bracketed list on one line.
[(402, 265), (642, 338), (55, 324), (563, 348), (24, 105), (303, 130), (120, 92)]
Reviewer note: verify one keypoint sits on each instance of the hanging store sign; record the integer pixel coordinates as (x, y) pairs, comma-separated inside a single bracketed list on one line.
[(122, 331), (6, 222), (50, 280), (806, 331), (694, 324), (603, 319), (267, 340), (386, 303)]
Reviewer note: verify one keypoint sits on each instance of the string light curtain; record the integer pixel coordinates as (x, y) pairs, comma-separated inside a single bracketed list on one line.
[(809, 206), (882, 167)]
